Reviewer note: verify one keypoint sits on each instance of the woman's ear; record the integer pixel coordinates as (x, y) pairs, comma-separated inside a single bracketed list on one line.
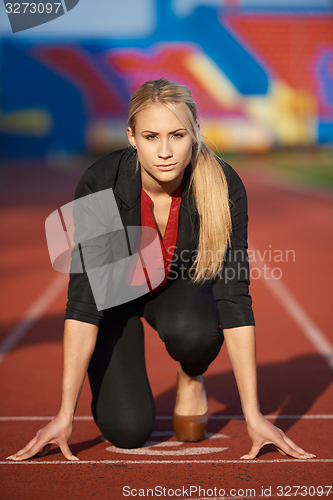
[(130, 136), (198, 125)]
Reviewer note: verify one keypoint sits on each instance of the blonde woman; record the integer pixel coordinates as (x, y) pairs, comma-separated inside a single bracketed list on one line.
[(170, 180)]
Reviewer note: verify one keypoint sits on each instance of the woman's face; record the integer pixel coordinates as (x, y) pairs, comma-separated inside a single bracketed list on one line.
[(163, 144)]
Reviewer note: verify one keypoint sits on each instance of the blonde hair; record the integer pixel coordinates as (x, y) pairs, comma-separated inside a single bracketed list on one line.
[(208, 184)]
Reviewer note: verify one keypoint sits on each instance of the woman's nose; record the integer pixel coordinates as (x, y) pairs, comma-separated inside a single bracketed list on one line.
[(165, 150)]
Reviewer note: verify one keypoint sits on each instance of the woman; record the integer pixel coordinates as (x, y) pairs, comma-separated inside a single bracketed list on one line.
[(169, 180)]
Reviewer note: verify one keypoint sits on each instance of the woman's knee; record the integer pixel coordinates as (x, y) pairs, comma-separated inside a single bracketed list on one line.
[(188, 337), (126, 432), (190, 329)]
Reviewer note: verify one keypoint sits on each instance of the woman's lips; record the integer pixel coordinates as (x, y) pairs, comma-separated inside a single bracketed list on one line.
[(166, 167)]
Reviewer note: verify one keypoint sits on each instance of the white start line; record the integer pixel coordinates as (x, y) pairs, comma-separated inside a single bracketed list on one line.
[(168, 448), (296, 461), (175, 448), (169, 417)]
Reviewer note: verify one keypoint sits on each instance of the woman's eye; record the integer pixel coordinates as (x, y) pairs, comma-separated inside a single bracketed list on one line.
[(150, 137)]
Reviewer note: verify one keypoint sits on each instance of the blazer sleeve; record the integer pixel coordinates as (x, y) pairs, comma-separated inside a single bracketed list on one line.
[(81, 305), (231, 287)]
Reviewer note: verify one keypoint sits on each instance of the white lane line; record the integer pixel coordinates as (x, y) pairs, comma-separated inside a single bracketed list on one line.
[(169, 417), (173, 448), (209, 435), (163, 462), (240, 417), (33, 314), (149, 451), (298, 314)]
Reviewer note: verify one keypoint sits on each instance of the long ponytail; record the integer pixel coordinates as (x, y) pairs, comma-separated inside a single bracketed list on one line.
[(210, 191)]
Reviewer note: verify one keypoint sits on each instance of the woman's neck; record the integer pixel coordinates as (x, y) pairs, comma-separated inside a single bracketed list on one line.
[(155, 188)]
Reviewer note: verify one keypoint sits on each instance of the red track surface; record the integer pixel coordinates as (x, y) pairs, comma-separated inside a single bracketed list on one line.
[(294, 379)]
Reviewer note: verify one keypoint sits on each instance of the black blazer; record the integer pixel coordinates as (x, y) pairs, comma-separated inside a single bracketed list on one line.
[(231, 290)]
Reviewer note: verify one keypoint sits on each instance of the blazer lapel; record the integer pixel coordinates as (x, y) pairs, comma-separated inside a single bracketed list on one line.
[(127, 192)]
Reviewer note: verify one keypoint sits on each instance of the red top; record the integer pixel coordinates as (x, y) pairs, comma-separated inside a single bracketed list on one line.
[(169, 240)]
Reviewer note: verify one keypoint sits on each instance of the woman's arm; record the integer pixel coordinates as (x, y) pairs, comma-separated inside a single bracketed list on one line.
[(78, 346), (241, 348)]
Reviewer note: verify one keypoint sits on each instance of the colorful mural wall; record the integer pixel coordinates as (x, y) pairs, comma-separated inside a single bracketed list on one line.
[(262, 78)]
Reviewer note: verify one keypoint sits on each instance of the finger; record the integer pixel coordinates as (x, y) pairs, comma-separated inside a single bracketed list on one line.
[(298, 448), (252, 453), (283, 446), (302, 453), (67, 452), (23, 450), (295, 452), (23, 456), (36, 448)]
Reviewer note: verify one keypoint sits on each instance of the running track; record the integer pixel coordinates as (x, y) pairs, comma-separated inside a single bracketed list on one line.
[(295, 360)]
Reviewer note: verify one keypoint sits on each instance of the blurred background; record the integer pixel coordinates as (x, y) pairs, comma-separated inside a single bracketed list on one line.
[(261, 72)]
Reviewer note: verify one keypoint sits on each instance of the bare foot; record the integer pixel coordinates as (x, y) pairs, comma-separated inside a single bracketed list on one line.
[(191, 398)]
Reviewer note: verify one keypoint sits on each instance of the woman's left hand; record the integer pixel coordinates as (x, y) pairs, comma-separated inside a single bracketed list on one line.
[(263, 432)]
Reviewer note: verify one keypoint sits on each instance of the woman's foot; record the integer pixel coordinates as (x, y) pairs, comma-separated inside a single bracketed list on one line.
[(191, 396), (190, 417)]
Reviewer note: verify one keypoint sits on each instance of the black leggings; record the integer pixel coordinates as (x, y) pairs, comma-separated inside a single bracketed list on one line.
[(186, 317)]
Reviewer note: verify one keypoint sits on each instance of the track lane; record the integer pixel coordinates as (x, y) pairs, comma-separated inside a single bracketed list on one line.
[(287, 361)]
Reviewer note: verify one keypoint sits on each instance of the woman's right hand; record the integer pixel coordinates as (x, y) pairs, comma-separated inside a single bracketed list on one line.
[(58, 432), (79, 344)]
